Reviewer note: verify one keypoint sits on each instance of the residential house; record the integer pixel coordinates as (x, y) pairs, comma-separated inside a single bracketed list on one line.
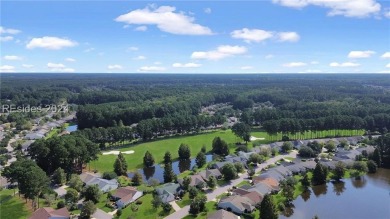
[(50, 213), (271, 182), (236, 204), (103, 184), (210, 172), (34, 136), (309, 165), (126, 195), (219, 165), (369, 149), (347, 154), (196, 180), (168, 192), (261, 188), (222, 214), (272, 174), (298, 144), (283, 170), (4, 183), (296, 168), (100, 214)]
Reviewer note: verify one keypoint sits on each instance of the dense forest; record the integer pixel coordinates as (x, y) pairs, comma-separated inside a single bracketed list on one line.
[(163, 103)]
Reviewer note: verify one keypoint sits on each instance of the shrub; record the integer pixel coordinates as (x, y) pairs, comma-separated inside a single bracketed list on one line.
[(109, 175), (138, 202), (60, 204)]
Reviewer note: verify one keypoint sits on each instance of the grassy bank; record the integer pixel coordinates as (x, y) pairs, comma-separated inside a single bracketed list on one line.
[(12, 206)]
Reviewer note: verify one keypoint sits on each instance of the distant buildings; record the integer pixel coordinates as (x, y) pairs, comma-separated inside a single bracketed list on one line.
[(50, 213), (103, 184)]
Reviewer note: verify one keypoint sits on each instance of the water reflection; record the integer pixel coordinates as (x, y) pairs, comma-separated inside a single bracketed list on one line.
[(320, 190), (289, 211), (149, 172), (338, 187), (306, 195), (359, 182)]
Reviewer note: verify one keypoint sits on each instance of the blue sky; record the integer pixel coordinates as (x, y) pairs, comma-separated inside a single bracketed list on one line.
[(275, 36)]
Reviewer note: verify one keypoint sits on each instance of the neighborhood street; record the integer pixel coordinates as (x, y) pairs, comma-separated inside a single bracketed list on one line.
[(219, 190)]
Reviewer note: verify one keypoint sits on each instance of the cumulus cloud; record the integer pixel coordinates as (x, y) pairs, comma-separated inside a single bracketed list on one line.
[(288, 37), (165, 18), (6, 38), (151, 68), (115, 67), (251, 35), (27, 66), (361, 54), (221, 52), (52, 43), (70, 59), (186, 65), (7, 68), (347, 8), (294, 64), (258, 35), (247, 67), (12, 58), (140, 58), (4, 30), (386, 55), (133, 48), (388, 65), (344, 64), (141, 28), (207, 10), (58, 67), (386, 13)]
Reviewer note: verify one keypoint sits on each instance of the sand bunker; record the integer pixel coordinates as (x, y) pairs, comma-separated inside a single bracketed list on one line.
[(117, 152), (253, 138)]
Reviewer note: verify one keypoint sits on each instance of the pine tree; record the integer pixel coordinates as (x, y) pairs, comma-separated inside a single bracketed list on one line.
[(137, 179), (200, 159), (167, 157), (120, 165), (319, 175), (184, 152), (377, 157), (169, 175), (268, 209), (148, 159)]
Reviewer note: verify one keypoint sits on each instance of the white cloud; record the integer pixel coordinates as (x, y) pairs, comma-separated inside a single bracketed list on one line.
[(386, 55), (165, 18), (294, 64), (344, 64), (6, 38), (314, 62), (140, 58), (48, 42), (221, 52), (361, 54), (141, 28), (59, 67), (157, 63), (257, 35), (70, 59), (151, 68), (246, 67), (311, 71), (386, 13), (27, 66), (249, 35), (288, 37), (347, 8), (133, 48), (388, 65), (186, 65), (207, 10), (8, 30), (269, 56), (7, 68), (12, 58), (115, 67), (89, 49), (385, 71)]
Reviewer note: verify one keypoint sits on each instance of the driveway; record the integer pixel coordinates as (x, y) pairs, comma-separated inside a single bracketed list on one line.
[(219, 190)]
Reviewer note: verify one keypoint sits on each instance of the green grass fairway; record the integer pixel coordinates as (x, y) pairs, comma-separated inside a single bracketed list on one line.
[(259, 133), (159, 147), (12, 207)]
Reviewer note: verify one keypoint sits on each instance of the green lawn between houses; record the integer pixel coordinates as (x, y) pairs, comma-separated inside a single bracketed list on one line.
[(159, 147), (12, 206)]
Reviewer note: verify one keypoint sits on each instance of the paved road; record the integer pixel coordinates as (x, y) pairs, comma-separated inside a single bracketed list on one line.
[(218, 191)]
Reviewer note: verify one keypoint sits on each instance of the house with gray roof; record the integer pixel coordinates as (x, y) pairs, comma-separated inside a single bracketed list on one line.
[(296, 168), (347, 154), (272, 174), (236, 204), (34, 136), (310, 164), (261, 188), (219, 165), (283, 170), (222, 214), (103, 184), (210, 172), (196, 180), (168, 192)]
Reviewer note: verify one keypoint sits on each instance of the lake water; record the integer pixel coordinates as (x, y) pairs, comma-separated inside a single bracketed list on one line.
[(71, 128), (367, 198), (157, 171)]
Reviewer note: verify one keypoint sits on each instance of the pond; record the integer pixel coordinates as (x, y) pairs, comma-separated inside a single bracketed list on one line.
[(157, 171), (71, 128), (365, 198)]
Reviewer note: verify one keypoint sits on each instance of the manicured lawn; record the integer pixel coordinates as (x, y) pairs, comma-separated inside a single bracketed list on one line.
[(245, 182), (185, 201), (52, 133), (259, 133), (145, 210), (159, 147), (210, 206), (12, 206), (102, 203)]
